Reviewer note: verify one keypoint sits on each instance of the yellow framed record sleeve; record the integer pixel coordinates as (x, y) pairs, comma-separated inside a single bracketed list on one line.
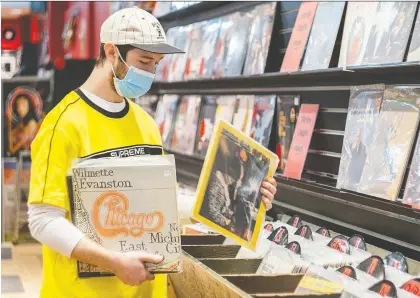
[(228, 192)]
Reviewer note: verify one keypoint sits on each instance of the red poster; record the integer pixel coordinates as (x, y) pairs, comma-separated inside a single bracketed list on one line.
[(301, 140), (299, 38)]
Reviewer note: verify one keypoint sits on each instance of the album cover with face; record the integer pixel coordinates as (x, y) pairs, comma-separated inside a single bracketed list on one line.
[(360, 17), (412, 188), (387, 157), (323, 35), (210, 37), (287, 111), (361, 124), (25, 105), (228, 193), (390, 31), (179, 61), (206, 124), (232, 44), (414, 50), (244, 110), (299, 38), (262, 119), (195, 62), (260, 37)]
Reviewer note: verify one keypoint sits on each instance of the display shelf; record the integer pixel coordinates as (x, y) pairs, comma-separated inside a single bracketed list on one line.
[(389, 225)]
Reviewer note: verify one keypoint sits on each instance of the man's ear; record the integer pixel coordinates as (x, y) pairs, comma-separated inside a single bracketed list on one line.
[(110, 52)]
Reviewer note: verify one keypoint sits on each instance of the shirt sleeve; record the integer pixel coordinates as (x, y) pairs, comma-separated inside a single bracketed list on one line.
[(52, 152)]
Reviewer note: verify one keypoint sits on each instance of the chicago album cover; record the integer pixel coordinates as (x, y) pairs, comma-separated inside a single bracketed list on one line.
[(260, 37), (412, 188), (228, 193), (414, 50), (393, 139), (323, 35), (299, 38), (287, 111), (262, 119), (242, 119), (360, 17), (362, 118), (389, 35), (206, 124)]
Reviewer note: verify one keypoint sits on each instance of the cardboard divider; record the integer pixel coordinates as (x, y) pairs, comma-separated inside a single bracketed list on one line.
[(202, 239), (212, 251), (232, 266), (265, 284)]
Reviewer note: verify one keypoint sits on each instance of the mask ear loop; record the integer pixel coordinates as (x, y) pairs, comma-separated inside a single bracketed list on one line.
[(112, 67)]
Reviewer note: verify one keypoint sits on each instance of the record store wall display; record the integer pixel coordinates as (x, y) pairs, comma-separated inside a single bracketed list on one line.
[(323, 35), (25, 104), (388, 38), (299, 38), (228, 192), (414, 50), (362, 117), (388, 156), (412, 188)]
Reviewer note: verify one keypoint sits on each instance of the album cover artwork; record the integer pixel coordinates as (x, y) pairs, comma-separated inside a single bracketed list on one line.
[(414, 50), (164, 117), (262, 119), (179, 61), (287, 111), (162, 70), (301, 140), (206, 124), (232, 44), (210, 37), (412, 188), (183, 137), (161, 8), (299, 38), (260, 37), (225, 108), (242, 119), (391, 29), (393, 139), (363, 115), (195, 62), (360, 17), (25, 104), (323, 35), (228, 193)]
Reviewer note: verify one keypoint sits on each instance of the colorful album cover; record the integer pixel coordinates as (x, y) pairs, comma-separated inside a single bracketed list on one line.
[(210, 37), (225, 108), (363, 115), (195, 62), (412, 188), (244, 110), (287, 111), (323, 35), (179, 61), (260, 37), (262, 119), (360, 17), (163, 68), (391, 29), (161, 8), (232, 44), (164, 117), (228, 193), (301, 140), (414, 50), (389, 153), (299, 38), (25, 107), (206, 124)]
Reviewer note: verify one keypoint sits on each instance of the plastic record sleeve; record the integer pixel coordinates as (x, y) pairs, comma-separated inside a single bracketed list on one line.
[(228, 192)]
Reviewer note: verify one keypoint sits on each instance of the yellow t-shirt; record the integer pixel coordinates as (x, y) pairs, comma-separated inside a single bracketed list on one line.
[(78, 128)]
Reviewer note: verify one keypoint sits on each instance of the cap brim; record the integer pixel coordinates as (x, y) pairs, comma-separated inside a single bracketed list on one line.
[(159, 48)]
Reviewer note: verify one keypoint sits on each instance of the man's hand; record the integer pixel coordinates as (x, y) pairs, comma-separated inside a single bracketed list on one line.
[(268, 190), (129, 267)]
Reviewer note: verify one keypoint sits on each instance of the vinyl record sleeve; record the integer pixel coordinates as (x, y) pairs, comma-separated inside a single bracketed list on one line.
[(412, 188), (228, 192), (360, 17), (225, 108), (299, 38), (232, 44), (162, 70), (391, 29), (165, 116), (210, 37), (206, 124), (242, 119), (414, 50), (323, 35), (260, 37), (262, 119), (179, 61), (287, 111), (195, 61), (388, 155), (362, 118)]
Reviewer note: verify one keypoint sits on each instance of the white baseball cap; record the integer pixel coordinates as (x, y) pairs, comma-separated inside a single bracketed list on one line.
[(135, 26)]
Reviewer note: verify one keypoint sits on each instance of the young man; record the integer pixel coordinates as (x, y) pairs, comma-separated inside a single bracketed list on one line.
[(96, 121)]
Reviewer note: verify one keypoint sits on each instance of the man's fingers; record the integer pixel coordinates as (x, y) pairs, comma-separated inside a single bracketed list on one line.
[(149, 258), (268, 194), (150, 276), (268, 204), (270, 187)]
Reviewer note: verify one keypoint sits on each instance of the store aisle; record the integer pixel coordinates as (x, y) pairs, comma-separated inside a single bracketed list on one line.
[(21, 270)]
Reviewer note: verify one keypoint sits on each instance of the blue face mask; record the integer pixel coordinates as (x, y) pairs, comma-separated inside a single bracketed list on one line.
[(136, 83)]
